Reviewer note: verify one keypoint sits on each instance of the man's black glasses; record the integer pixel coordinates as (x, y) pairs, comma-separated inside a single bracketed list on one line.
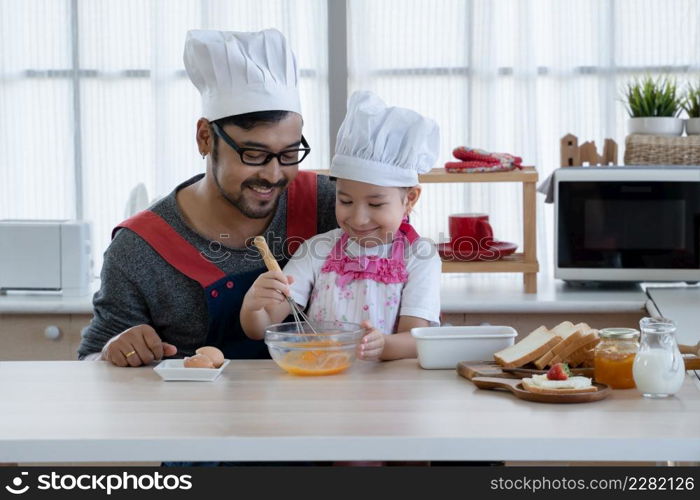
[(258, 157)]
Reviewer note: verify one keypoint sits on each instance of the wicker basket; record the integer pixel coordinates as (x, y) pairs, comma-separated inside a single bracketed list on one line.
[(662, 150)]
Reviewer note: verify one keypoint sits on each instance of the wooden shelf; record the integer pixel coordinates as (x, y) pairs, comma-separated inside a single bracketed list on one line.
[(515, 263), (525, 262), (527, 174), (440, 175)]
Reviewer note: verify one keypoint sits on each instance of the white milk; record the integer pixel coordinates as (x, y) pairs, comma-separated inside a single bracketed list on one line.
[(654, 372)]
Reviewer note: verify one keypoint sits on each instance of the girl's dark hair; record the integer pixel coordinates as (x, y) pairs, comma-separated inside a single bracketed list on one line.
[(404, 189)]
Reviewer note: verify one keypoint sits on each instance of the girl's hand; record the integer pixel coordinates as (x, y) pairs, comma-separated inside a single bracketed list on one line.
[(270, 289), (372, 344)]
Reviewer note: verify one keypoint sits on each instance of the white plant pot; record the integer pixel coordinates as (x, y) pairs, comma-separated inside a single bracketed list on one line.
[(692, 126), (655, 125)]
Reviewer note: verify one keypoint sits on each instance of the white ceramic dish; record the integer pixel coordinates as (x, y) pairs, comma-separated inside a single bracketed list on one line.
[(174, 369), (443, 347)]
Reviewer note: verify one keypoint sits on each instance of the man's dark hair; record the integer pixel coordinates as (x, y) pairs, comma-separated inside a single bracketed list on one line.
[(246, 121)]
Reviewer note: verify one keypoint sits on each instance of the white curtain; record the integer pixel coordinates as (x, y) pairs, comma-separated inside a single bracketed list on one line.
[(515, 76), (94, 99)]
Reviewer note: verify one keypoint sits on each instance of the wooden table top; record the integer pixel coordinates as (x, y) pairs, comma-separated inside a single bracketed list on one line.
[(91, 411)]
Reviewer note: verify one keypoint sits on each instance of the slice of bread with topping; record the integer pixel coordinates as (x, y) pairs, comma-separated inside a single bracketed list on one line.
[(530, 348), (573, 385)]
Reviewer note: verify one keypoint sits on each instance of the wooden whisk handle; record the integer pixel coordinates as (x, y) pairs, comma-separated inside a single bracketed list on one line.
[(270, 261)]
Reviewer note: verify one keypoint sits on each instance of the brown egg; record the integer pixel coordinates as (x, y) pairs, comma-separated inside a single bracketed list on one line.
[(198, 361), (216, 356)]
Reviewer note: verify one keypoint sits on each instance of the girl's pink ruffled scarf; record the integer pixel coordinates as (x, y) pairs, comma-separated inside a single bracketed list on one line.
[(380, 269)]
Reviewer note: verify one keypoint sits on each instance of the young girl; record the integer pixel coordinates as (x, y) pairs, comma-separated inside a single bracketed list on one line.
[(373, 270)]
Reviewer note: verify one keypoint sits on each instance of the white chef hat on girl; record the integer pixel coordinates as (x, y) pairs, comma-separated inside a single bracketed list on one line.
[(385, 146), (238, 72)]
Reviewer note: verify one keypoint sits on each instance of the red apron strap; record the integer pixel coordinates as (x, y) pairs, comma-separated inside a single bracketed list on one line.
[(174, 249), (301, 210), (409, 231)]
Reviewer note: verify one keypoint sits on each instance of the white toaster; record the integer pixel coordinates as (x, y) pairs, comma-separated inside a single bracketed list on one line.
[(45, 255)]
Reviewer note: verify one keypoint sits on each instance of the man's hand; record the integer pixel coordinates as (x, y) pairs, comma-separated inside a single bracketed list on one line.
[(372, 344), (139, 345)]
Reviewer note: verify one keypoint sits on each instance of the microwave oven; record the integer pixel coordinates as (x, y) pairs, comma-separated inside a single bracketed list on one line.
[(627, 224), (45, 255)]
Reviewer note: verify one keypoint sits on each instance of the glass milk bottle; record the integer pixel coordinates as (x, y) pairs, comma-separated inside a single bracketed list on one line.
[(658, 368)]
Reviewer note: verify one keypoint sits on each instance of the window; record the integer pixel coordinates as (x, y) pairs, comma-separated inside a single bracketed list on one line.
[(94, 98), (515, 76)]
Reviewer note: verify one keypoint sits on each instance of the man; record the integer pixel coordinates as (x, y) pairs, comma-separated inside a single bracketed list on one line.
[(175, 275)]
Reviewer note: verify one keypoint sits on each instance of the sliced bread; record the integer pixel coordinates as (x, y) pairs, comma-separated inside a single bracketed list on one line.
[(528, 349), (587, 338), (569, 333), (583, 358), (563, 329)]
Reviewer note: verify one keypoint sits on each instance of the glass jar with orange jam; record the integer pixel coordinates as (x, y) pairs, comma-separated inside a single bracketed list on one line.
[(614, 356)]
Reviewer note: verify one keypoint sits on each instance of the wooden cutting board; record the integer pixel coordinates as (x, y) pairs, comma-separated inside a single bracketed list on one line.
[(471, 369), (529, 372), (691, 362), (489, 375), (515, 386)]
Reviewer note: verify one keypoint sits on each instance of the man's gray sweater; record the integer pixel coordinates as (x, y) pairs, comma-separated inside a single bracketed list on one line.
[(139, 287)]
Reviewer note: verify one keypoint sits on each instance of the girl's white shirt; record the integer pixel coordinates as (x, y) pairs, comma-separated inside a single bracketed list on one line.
[(366, 299)]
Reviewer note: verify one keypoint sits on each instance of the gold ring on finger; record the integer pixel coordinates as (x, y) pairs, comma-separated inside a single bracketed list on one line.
[(129, 354)]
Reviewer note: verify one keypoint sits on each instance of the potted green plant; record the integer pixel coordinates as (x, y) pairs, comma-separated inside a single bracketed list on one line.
[(654, 106), (691, 104)]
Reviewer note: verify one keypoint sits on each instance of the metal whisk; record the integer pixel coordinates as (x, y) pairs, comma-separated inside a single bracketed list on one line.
[(273, 265)]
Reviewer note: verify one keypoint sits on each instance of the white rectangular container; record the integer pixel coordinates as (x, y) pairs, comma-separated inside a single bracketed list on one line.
[(443, 347)]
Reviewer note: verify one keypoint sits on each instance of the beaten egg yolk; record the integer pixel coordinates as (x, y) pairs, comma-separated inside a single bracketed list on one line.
[(315, 362)]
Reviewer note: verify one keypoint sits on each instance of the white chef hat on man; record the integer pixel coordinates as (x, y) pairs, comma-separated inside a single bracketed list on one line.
[(385, 146), (240, 72)]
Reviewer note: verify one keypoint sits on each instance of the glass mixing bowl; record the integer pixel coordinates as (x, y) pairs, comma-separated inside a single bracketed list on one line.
[(330, 351)]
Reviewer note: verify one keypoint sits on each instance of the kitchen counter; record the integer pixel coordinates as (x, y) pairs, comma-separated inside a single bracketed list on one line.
[(49, 326), (92, 411), (15, 302), (463, 294), (505, 293)]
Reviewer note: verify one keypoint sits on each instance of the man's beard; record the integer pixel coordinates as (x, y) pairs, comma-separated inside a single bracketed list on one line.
[(244, 206)]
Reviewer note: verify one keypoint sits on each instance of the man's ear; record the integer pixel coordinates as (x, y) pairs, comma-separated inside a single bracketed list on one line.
[(205, 141), (412, 196)]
